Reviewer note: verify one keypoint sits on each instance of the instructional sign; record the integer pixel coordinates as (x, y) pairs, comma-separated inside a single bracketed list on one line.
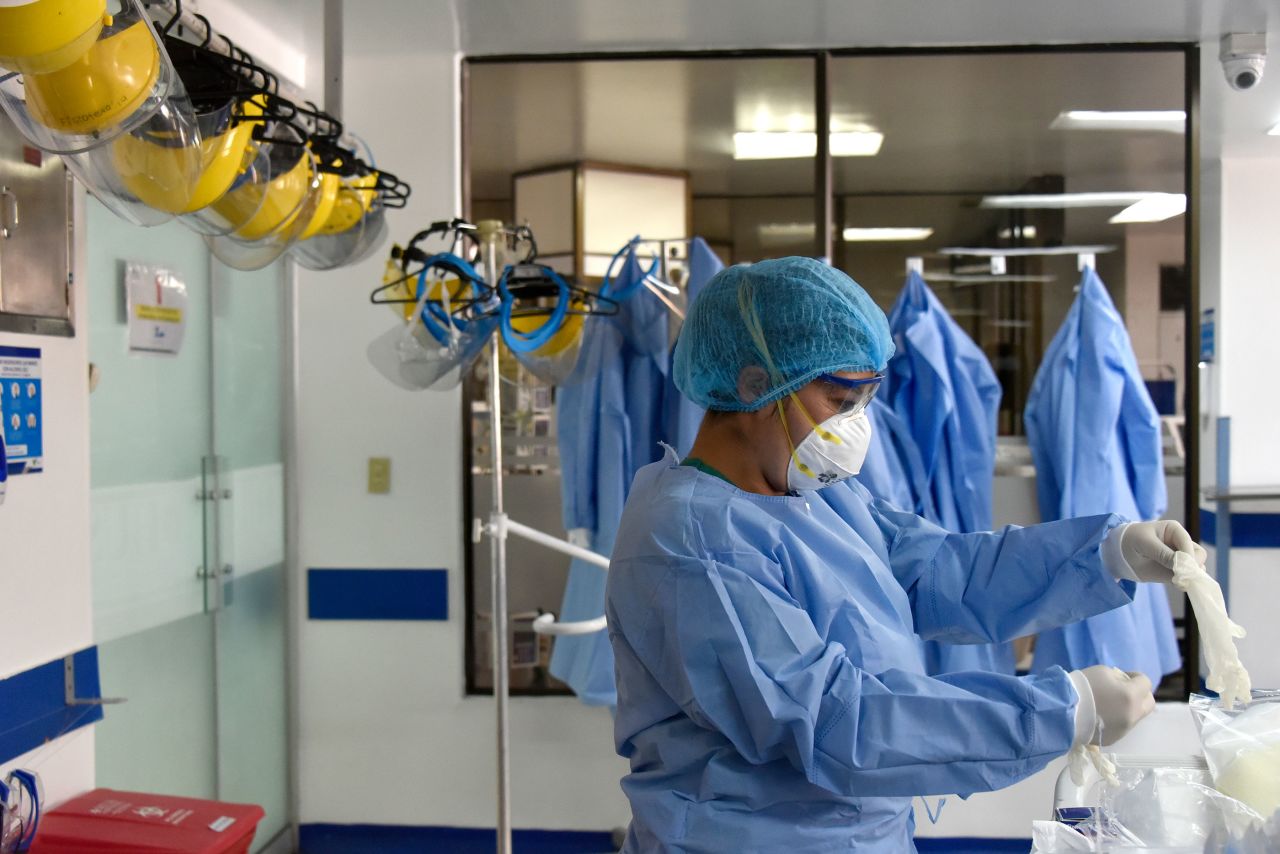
[(157, 304), (21, 409), (1208, 336)]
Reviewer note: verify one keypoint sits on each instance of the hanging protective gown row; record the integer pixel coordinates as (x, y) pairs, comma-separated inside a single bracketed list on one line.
[(611, 418), (1095, 438), (1094, 433)]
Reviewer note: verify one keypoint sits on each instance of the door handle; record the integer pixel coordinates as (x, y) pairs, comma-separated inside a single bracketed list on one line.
[(8, 212)]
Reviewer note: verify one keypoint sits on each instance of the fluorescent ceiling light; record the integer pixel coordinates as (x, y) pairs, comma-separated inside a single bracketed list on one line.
[(778, 233), (856, 143), (1065, 200), (1168, 121), (1027, 232), (980, 278), (771, 145), (874, 235), (1023, 251), (1275, 130), (1157, 208)]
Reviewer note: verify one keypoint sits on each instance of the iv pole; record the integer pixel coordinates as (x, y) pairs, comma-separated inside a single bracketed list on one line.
[(492, 234)]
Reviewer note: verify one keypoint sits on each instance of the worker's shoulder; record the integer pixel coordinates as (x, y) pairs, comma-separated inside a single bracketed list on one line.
[(658, 517), (678, 511)]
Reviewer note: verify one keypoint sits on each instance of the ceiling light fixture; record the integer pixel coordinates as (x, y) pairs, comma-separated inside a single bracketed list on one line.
[(1158, 208), (778, 145), (1275, 130), (779, 233), (979, 278), (877, 235), (1167, 121), (1065, 200), (1022, 232), (1023, 251)]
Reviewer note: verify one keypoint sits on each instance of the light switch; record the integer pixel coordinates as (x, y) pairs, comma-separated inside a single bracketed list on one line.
[(379, 475)]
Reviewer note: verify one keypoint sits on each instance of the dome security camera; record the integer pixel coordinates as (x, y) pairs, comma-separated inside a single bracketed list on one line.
[(1243, 57)]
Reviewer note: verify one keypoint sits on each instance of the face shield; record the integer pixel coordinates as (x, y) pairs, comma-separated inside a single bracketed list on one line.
[(242, 200), (441, 332), (541, 322), (100, 90), (271, 221)]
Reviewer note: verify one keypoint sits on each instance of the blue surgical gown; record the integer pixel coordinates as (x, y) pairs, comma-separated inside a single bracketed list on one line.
[(1095, 438), (893, 470), (942, 385), (771, 691), (611, 416), (684, 415)]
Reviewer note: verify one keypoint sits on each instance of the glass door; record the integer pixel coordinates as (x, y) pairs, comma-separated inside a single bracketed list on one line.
[(188, 527), (247, 594), (151, 430)]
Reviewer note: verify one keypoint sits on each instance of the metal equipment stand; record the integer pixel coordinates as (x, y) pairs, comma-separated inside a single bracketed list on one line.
[(492, 235)]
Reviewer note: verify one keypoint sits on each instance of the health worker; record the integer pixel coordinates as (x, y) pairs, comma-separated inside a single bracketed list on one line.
[(764, 621)]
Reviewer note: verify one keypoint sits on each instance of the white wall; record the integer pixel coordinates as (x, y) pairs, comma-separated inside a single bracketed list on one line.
[(46, 607), (1146, 247), (1247, 270), (381, 704)]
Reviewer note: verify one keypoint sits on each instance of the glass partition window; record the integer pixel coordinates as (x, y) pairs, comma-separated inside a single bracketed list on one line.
[(741, 134), (941, 158), (1082, 137)]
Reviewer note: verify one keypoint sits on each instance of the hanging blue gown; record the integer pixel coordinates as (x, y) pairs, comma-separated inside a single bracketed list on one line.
[(893, 470), (943, 387), (685, 416), (611, 418), (1095, 438)]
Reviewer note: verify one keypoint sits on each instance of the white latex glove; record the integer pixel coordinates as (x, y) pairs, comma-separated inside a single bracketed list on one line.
[(1111, 701), (1218, 633), (1144, 551)]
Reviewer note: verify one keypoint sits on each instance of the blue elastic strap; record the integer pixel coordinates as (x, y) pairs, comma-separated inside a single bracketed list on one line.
[(434, 318), (527, 342), (848, 383)]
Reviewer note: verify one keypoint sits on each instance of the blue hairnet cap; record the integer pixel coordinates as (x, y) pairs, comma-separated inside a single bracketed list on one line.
[(757, 332)]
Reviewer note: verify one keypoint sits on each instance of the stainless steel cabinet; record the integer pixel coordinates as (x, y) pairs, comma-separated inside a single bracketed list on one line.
[(35, 238)]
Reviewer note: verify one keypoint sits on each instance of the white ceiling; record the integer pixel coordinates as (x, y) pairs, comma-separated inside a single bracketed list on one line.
[(1234, 124), (549, 26)]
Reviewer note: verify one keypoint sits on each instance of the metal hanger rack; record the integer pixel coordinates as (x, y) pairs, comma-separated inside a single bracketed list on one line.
[(493, 236)]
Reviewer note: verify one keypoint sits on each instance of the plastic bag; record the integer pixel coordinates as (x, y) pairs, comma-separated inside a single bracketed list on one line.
[(1258, 838), (1052, 837), (1242, 747), (1161, 805), (1154, 803)]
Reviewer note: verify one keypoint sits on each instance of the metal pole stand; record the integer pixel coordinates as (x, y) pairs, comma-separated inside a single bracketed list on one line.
[(492, 236)]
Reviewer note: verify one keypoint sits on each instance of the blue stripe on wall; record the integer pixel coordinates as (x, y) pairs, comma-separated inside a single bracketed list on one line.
[(390, 839), (33, 708), (378, 594), (1248, 530)]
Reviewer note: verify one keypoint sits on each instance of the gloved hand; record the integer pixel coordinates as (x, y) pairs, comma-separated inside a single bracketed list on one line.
[(1143, 551), (1110, 699)]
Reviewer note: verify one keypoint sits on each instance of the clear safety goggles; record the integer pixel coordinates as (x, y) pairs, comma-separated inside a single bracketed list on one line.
[(20, 801), (849, 396)]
